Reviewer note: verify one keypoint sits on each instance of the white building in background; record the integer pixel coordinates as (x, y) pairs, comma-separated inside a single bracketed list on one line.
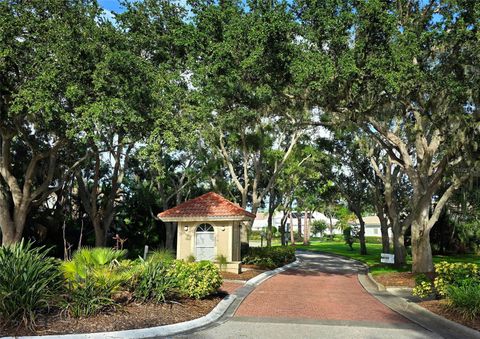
[(373, 227), (372, 223), (261, 221)]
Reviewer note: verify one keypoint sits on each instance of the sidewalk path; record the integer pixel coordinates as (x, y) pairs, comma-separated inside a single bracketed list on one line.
[(320, 298)]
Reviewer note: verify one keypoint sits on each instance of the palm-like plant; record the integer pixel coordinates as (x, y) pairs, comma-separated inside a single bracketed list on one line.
[(90, 259), (29, 282), (93, 277)]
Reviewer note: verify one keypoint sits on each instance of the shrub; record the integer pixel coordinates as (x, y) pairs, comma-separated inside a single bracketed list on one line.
[(154, 282), (423, 286), (263, 263), (93, 276), (453, 274), (161, 256), (373, 240), (195, 280), (87, 259), (89, 296), (348, 237), (29, 282), (447, 274), (269, 257), (319, 226), (465, 298), (255, 235)]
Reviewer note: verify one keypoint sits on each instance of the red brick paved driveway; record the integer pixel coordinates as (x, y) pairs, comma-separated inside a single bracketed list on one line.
[(322, 288)]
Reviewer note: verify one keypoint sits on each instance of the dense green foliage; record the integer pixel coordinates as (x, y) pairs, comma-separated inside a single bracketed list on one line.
[(93, 281), (95, 276), (195, 279), (449, 274), (269, 257), (348, 237), (319, 227), (465, 298), (338, 106), (30, 282), (92, 277), (154, 282), (459, 283)]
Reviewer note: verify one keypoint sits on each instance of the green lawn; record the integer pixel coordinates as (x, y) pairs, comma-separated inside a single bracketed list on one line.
[(372, 258)]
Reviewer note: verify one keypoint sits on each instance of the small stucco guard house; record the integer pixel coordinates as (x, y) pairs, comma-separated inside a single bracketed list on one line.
[(209, 226)]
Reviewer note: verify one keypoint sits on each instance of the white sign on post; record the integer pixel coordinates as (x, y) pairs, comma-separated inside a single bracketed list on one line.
[(387, 258)]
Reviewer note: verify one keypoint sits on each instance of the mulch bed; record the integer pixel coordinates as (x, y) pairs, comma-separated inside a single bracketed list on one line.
[(131, 316), (404, 279), (245, 275), (439, 307)]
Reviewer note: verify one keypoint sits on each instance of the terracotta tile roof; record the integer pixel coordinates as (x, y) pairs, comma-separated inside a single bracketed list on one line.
[(208, 205)]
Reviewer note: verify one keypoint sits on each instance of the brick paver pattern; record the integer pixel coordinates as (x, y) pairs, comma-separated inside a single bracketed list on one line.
[(230, 287), (299, 294)]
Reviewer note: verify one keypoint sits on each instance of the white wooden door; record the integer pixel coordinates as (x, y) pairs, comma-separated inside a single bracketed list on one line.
[(205, 242)]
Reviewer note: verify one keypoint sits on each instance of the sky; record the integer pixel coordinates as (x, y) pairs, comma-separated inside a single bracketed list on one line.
[(111, 5)]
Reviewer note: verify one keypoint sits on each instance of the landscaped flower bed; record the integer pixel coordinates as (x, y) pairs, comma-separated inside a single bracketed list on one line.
[(39, 294), (457, 288)]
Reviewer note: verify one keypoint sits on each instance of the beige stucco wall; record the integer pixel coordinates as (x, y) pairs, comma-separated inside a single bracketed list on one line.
[(223, 239)]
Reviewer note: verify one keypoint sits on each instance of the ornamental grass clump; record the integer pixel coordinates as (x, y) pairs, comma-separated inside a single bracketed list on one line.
[(154, 283), (30, 283), (161, 256), (465, 298)]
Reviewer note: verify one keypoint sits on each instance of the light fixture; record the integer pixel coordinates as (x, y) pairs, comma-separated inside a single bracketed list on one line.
[(223, 228), (186, 228)]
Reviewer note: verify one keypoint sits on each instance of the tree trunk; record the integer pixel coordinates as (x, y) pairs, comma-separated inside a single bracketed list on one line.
[(100, 233), (305, 228), (282, 228), (361, 235), (299, 221), (399, 249), (421, 253), (421, 249), (170, 231), (269, 228), (384, 232), (12, 230), (272, 206), (8, 229), (330, 226), (292, 236), (309, 226)]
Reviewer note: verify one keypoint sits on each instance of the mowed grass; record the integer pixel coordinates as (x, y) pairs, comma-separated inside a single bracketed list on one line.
[(372, 258)]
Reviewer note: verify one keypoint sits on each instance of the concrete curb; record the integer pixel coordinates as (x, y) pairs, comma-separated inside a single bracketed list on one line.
[(152, 332), (188, 326), (424, 318), (379, 286), (255, 281)]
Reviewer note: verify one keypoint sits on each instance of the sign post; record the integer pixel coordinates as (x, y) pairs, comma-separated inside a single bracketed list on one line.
[(387, 258)]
